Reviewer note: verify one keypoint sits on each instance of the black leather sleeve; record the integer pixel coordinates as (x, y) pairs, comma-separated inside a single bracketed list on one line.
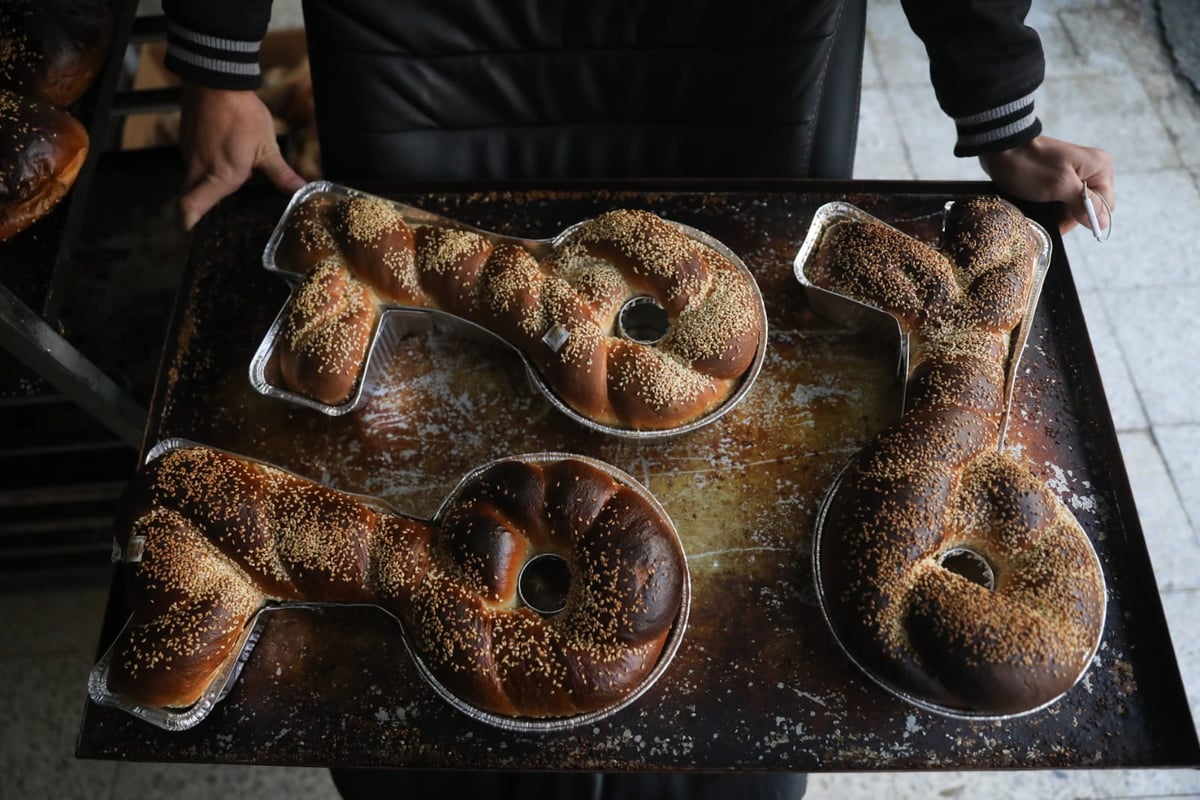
[(216, 43), (985, 64)]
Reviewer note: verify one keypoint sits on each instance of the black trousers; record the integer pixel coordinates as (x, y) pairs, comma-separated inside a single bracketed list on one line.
[(437, 785)]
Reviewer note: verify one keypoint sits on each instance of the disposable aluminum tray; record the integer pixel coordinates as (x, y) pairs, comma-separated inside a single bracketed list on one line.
[(861, 316), (397, 322), (180, 719)]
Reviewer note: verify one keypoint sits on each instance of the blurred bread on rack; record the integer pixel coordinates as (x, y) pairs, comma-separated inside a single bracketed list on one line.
[(51, 53)]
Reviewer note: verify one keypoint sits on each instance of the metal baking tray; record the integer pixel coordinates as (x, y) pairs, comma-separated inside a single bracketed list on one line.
[(758, 683)]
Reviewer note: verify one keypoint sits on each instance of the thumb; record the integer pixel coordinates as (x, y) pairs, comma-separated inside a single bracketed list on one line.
[(277, 170), (201, 196)]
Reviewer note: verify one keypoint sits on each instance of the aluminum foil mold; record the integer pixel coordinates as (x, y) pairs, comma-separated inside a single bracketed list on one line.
[(397, 322), (858, 316), (179, 719)]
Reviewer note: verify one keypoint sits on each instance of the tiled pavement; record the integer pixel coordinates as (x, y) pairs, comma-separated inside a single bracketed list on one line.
[(1109, 84)]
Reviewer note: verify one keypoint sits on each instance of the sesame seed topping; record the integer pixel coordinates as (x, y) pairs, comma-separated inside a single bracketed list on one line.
[(936, 482), (713, 306)]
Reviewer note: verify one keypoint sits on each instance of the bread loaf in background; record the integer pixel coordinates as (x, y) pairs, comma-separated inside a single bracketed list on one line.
[(51, 53), (42, 149)]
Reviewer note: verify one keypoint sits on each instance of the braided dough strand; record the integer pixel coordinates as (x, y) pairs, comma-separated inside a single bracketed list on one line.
[(936, 485)]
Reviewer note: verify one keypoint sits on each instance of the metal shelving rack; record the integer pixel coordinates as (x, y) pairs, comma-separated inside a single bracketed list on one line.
[(70, 432)]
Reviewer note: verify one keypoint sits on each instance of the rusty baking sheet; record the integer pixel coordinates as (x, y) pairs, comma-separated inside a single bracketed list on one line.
[(758, 682)]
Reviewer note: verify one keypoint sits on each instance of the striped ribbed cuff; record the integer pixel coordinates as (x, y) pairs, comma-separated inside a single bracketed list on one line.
[(1000, 128), (211, 60)]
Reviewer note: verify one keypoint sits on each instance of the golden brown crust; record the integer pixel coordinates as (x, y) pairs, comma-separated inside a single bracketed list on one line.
[(187, 620), (652, 255), (41, 152), (936, 484), (886, 269), (509, 296), (377, 245), (328, 325), (713, 309), (225, 535), (305, 240), (653, 389), (230, 500), (450, 264)]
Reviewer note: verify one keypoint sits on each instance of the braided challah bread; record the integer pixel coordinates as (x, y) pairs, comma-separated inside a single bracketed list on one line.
[(222, 536), (51, 52), (42, 149), (946, 569), (54, 49), (561, 307)]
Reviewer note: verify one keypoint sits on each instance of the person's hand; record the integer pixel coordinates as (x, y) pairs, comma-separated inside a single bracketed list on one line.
[(225, 136), (1048, 170)]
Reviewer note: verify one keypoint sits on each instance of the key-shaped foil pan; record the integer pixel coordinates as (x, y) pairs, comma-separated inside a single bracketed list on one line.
[(179, 719), (397, 322), (882, 327)]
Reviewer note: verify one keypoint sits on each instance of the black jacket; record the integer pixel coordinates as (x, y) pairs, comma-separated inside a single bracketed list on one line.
[(460, 89)]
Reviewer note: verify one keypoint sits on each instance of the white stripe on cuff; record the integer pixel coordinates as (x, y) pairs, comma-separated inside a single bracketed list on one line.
[(996, 134), (995, 113), (214, 64), (215, 42)]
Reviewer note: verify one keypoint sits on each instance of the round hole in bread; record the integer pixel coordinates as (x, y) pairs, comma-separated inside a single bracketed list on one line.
[(643, 319), (969, 564), (544, 583)]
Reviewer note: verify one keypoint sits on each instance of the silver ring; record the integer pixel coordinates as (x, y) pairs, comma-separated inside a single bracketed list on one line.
[(1093, 220)]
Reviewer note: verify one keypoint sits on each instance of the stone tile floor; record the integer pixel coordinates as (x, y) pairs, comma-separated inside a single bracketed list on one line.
[(1110, 83)]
